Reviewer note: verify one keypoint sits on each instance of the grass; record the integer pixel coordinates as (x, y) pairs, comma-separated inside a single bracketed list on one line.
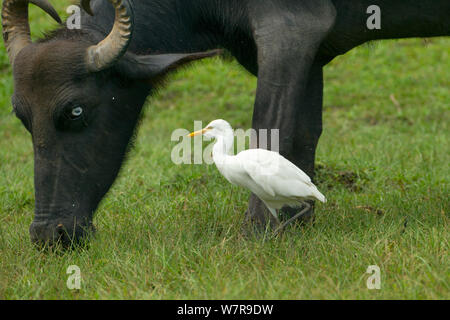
[(170, 232)]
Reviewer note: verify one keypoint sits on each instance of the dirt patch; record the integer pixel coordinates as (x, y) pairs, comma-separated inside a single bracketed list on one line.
[(370, 209), (330, 177)]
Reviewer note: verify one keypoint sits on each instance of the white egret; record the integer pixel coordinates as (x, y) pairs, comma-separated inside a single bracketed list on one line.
[(270, 176)]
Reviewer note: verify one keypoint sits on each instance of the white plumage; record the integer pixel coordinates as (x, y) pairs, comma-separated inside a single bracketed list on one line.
[(270, 176)]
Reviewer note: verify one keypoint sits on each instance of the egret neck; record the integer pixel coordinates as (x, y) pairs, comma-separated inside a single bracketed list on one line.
[(223, 148)]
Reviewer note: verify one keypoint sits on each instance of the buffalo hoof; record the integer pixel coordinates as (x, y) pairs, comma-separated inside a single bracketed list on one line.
[(60, 234)]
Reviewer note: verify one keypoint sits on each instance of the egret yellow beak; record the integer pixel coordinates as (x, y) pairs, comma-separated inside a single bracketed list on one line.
[(197, 133)]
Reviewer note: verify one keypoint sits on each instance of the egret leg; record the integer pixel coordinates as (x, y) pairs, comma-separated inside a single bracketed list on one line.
[(288, 222)]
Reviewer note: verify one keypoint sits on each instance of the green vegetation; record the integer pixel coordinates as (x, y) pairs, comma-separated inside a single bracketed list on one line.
[(167, 231)]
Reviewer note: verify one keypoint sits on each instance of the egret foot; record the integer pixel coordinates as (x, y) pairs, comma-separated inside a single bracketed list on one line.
[(287, 213), (258, 217), (296, 217)]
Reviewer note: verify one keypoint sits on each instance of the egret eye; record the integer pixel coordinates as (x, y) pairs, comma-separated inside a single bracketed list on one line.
[(76, 112)]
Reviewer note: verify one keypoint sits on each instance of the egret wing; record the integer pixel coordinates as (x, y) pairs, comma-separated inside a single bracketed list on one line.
[(272, 163), (254, 169), (276, 175)]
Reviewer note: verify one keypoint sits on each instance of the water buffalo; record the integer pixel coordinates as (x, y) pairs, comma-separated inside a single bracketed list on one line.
[(80, 92)]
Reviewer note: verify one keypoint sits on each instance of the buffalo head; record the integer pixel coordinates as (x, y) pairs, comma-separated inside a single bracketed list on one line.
[(80, 98)]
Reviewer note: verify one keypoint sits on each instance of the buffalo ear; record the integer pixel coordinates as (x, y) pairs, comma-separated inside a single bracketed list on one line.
[(149, 67)]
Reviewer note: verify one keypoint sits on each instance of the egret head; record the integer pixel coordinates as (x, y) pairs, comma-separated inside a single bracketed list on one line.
[(215, 129)]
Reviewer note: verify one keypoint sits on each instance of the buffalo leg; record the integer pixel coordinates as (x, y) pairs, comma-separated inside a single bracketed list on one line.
[(307, 134), (287, 45)]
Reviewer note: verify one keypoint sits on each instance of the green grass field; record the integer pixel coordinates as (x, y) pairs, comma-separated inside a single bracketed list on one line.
[(175, 232)]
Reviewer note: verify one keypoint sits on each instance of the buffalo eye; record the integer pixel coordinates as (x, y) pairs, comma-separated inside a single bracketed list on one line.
[(73, 112), (71, 117), (76, 113)]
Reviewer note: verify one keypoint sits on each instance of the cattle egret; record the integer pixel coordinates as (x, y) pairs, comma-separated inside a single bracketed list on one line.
[(270, 176)]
